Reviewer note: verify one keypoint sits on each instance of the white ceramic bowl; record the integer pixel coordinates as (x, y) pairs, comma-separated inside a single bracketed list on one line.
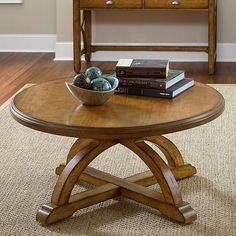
[(92, 97)]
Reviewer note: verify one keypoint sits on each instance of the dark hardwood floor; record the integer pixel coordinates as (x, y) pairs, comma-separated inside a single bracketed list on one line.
[(18, 69)]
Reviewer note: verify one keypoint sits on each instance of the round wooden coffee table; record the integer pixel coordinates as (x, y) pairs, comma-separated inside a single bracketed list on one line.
[(128, 120)]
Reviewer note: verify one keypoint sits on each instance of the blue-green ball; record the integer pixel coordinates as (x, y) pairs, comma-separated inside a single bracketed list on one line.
[(100, 84), (93, 72), (82, 81), (110, 79)]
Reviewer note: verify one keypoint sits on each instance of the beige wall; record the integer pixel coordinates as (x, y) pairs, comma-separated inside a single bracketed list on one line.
[(151, 26), (64, 20), (31, 17), (55, 16)]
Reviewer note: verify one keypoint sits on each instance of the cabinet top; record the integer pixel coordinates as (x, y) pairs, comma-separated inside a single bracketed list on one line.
[(147, 4)]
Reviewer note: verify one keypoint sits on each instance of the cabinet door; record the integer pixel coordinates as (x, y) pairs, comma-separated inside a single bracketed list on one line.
[(124, 4), (176, 4)]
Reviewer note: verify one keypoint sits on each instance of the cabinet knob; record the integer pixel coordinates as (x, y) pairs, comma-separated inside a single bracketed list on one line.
[(109, 2), (175, 3)]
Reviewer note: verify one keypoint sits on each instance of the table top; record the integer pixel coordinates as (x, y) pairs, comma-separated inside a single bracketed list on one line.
[(49, 107)]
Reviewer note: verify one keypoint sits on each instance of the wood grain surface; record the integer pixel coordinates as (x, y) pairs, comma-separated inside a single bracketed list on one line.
[(49, 107), (128, 120), (120, 4), (44, 68), (180, 5), (168, 201)]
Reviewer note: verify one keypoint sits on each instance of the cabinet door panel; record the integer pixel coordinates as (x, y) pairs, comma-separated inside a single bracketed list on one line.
[(176, 4), (125, 4)]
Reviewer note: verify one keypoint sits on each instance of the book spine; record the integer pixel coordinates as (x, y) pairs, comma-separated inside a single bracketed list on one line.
[(142, 83), (144, 92), (141, 72)]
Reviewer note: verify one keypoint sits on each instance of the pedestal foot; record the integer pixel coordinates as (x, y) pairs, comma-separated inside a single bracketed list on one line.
[(169, 201)]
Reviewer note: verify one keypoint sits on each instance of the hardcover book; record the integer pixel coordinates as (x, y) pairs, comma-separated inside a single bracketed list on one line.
[(173, 77), (142, 68), (171, 92)]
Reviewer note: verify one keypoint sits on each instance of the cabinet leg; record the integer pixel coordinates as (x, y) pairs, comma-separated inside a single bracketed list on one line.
[(212, 28), (76, 36), (87, 35)]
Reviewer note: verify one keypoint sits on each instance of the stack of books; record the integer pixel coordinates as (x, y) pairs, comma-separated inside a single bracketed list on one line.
[(150, 78)]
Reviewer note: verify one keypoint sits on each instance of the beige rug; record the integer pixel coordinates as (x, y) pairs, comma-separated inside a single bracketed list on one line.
[(28, 159)]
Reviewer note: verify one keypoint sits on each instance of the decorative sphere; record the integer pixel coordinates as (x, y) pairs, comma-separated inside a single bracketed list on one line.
[(110, 79), (82, 81), (93, 72), (100, 84)]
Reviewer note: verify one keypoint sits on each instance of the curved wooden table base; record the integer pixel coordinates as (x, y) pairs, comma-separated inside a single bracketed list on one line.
[(169, 201)]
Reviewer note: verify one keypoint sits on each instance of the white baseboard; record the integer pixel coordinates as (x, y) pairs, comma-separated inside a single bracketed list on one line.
[(64, 51), (226, 52), (10, 1), (27, 42)]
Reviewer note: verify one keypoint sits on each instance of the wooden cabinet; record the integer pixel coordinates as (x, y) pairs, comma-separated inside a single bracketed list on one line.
[(120, 4), (86, 6), (176, 4), (179, 4)]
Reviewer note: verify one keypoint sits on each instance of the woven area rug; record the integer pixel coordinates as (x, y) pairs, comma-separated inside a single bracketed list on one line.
[(28, 159)]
